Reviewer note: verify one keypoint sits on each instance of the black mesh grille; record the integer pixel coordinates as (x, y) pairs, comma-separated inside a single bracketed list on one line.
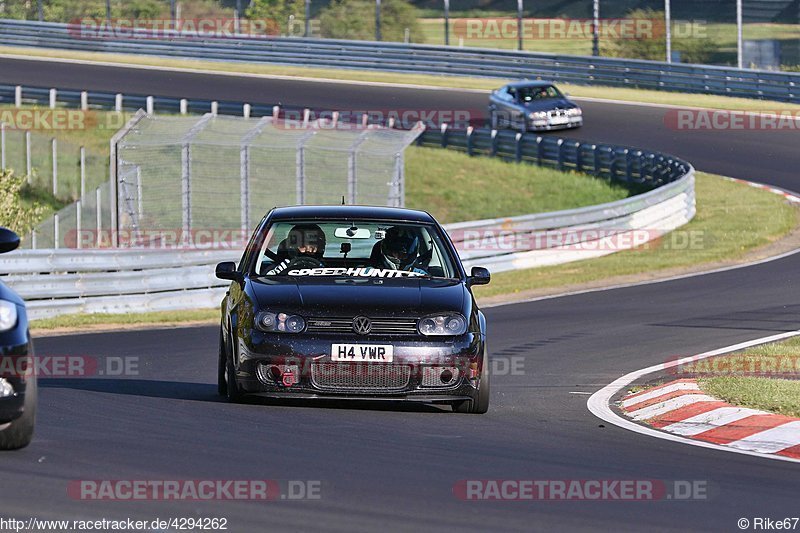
[(380, 326), (344, 376)]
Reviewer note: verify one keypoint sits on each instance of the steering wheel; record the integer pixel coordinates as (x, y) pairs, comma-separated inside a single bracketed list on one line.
[(303, 261)]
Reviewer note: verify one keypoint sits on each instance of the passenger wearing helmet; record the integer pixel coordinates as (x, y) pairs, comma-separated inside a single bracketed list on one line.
[(303, 247), (400, 250)]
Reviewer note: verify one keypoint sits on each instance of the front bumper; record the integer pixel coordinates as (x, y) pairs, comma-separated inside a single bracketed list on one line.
[(416, 372), (547, 125), (16, 367)]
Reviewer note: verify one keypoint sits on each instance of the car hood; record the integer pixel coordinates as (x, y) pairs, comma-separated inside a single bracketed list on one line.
[(552, 103), (350, 297)]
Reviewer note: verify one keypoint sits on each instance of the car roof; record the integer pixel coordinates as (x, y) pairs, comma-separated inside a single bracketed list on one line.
[(530, 83), (307, 212)]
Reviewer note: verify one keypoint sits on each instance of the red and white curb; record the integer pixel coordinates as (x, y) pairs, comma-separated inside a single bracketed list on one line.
[(790, 196), (755, 433), (681, 408)]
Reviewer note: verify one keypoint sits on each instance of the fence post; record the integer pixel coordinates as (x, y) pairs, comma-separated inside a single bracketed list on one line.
[(539, 151), (246, 110), (518, 147), (186, 190), (628, 176), (55, 166), (578, 157), (84, 100), (244, 186), (28, 168), (55, 231), (444, 135), (184, 106), (78, 224), (561, 154), (494, 143), (214, 107), (596, 154), (52, 98), (33, 239), (149, 105), (98, 215), (18, 96), (118, 103), (469, 140), (399, 176), (83, 171), (139, 191), (2, 145), (276, 112)]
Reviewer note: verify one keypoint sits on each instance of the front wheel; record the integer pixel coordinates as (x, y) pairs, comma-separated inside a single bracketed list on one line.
[(222, 382), (479, 405), (19, 432)]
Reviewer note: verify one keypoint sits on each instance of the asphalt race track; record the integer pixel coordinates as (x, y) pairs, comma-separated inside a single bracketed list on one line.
[(392, 468)]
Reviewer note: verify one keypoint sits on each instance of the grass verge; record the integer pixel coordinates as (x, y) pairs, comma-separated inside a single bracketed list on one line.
[(457, 82), (455, 187), (732, 219), (764, 377)]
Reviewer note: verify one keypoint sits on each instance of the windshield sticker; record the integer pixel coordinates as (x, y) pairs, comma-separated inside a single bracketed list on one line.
[(365, 272)]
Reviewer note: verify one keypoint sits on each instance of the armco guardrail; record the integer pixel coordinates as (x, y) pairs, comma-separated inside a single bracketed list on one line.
[(422, 59), (75, 281)]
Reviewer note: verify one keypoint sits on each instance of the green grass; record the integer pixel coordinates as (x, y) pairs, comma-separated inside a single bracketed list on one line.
[(458, 82), (455, 187), (731, 220), (775, 394)]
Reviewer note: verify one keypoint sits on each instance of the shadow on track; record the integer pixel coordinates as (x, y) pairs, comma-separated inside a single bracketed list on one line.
[(206, 392)]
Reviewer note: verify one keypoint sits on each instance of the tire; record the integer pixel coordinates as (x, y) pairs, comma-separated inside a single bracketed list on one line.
[(222, 384), (480, 405), (19, 433), (231, 387)]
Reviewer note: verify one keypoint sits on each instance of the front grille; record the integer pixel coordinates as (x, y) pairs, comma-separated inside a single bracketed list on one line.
[(440, 376), (345, 376), (380, 326), (557, 113)]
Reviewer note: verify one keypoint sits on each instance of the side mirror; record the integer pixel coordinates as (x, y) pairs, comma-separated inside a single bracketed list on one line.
[(8, 240), (227, 270), (479, 276)]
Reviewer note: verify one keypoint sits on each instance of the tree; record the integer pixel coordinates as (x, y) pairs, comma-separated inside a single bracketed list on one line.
[(283, 17), (355, 19)]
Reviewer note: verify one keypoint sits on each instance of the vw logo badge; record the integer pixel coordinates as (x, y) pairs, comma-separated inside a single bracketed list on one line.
[(362, 325)]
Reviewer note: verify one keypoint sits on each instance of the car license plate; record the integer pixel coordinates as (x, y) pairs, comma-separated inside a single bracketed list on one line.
[(559, 120), (362, 353)]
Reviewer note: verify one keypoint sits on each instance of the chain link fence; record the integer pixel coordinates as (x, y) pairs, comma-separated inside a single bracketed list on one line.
[(206, 182)]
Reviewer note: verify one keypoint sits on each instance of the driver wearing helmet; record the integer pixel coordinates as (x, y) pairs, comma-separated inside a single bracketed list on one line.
[(303, 247), (400, 250)]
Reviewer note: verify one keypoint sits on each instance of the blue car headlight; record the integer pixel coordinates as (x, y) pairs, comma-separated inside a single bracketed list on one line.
[(452, 324), (8, 315), (280, 322)]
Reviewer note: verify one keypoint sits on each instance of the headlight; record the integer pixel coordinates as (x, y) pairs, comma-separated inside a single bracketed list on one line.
[(538, 115), (8, 315), (280, 322), (575, 112), (454, 324)]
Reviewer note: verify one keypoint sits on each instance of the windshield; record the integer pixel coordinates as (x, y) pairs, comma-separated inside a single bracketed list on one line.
[(529, 94), (354, 248)]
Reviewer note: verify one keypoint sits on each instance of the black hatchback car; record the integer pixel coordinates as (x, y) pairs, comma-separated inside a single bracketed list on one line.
[(17, 374), (353, 302)]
